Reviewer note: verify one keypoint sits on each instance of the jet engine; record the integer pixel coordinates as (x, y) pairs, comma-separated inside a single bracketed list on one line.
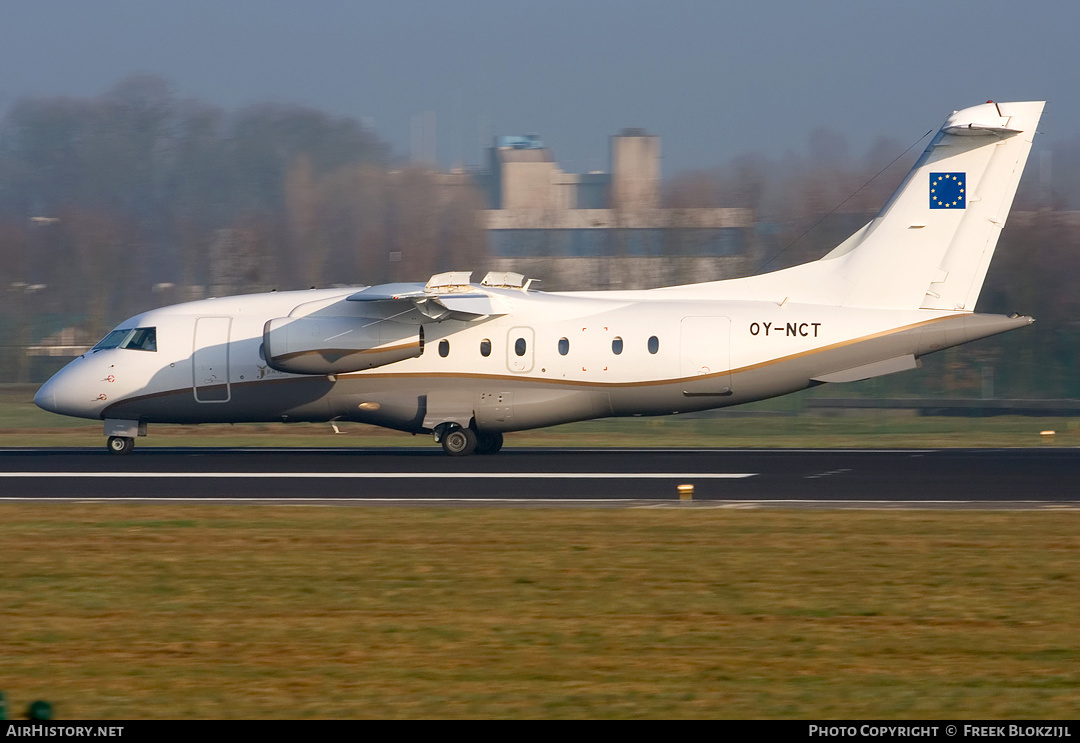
[(338, 345)]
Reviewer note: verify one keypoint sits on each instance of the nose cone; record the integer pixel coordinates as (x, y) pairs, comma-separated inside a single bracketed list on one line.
[(68, 394), (46, 396)]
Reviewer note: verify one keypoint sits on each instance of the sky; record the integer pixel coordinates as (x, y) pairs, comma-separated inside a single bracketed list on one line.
[(713, 79)]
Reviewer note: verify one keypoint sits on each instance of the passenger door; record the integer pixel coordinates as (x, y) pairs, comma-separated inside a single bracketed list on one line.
[(210, 359), (705, 356)]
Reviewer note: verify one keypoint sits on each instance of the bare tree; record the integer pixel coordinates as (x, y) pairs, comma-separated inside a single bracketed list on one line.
[(301, 209)]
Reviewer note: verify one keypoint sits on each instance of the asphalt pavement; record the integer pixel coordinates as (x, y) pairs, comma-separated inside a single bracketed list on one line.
[(903, 478)]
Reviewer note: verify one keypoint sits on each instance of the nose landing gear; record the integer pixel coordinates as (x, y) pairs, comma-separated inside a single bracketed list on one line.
[(122, 434), (120, 445)]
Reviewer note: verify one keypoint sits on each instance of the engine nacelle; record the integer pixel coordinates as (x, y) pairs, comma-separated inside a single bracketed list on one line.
[(338, 345)]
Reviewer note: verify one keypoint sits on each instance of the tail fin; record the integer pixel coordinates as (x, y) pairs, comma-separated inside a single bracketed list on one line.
[(931, 244)]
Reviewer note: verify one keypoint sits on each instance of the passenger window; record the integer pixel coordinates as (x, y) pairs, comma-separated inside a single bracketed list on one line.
[(485, 347), (519, 346), (616, 345), (654, 344), (444, 348), (564, 346)]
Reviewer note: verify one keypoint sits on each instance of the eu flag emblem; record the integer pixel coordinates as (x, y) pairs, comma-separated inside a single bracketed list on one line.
[(947, 190)]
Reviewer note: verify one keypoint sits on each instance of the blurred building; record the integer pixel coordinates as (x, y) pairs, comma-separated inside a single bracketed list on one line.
[(602, 230)]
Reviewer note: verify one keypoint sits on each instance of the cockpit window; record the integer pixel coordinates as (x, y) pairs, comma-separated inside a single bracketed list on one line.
[(139, 339), (112, 340)]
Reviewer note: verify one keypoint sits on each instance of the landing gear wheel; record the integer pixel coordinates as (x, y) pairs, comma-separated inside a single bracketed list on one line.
[(488, 443), (459, 442), (120, 445)]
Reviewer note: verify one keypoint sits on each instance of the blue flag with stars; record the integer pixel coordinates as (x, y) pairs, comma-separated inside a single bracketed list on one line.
[(947, 190)]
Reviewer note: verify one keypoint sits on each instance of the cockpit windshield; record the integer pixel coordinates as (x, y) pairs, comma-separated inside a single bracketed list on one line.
[(139, 339), (112, 340)]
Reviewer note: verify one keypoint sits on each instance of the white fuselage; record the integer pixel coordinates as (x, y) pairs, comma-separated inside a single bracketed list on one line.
[(555, 357)]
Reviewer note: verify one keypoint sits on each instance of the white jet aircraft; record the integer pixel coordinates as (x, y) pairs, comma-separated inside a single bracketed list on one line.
[(468, 362)]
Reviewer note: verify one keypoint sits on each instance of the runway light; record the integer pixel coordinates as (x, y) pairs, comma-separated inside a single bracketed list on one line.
[(1046, 434), (686, 492)]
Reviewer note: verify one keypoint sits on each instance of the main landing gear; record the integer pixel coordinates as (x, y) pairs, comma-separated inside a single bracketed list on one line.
[(488, 443), (458, 441)]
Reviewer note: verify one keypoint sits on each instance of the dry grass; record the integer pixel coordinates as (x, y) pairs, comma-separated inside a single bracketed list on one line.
[(135, 611)]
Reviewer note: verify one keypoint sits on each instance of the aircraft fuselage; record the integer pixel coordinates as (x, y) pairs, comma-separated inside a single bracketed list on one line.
[(556, 358)]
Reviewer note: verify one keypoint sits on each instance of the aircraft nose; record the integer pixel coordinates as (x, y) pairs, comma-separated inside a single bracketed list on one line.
[(67, 395), (46, 396)]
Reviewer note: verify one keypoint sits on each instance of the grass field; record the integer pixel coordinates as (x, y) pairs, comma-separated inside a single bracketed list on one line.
[(171, 610), (137, 611)]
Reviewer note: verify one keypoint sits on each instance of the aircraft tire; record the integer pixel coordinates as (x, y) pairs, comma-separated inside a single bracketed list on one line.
[(488, 443), (120, 445), (459, 442)]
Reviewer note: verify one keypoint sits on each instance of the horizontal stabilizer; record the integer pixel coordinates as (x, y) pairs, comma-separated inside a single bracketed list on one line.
[(869, 371)]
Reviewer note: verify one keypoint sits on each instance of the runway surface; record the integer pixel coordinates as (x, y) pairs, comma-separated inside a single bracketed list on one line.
[(941, 478)]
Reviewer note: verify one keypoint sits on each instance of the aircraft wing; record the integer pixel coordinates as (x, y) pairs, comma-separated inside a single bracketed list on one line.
[(444, 297)]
